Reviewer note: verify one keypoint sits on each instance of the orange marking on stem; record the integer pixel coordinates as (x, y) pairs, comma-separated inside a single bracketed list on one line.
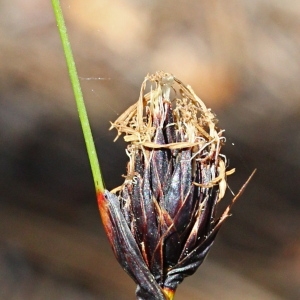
[(169, 293), (104, 213)]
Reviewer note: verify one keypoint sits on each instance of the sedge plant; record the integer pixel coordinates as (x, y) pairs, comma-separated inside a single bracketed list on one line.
[(162, 221)]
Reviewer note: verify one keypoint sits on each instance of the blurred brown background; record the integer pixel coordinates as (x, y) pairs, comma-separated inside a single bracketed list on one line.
[(242, 59)]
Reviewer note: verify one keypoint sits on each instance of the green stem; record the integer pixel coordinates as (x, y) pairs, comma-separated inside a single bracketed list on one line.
[(87, 133)]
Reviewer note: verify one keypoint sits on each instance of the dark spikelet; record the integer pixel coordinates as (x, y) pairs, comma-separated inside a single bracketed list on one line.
[(162, 221)]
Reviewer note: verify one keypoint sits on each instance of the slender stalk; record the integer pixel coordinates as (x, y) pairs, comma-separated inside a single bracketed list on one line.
[(97, 176)]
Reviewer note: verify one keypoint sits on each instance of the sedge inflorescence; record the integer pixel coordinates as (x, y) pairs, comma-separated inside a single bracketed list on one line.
[(162, 220)]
